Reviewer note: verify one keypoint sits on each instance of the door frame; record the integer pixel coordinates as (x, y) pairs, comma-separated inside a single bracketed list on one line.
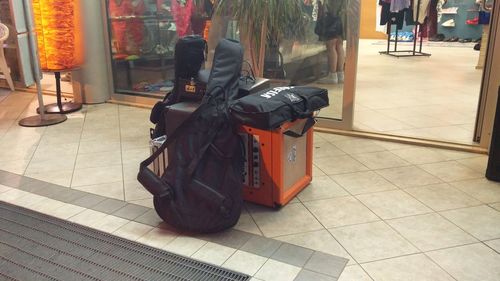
[(491, 82)]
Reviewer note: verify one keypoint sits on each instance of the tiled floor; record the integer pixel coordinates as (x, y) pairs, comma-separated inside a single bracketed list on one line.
[(425, 97), (391, 209)]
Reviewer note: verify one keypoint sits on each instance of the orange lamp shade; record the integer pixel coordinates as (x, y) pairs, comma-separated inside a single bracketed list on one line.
[(58, 26)]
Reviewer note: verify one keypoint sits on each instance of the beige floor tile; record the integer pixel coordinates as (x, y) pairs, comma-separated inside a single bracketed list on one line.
[(481, 221), (357, 146), (354, 273), (244, 262), (247, 224), (331, 137), (47, 205), (393, 204), (133, 230), (157, 237), (135, 191), (136, 142), (320, 240), (99, 175), (4, 188), (380, 160), (494, 244), (184, 245), (411, 176), (110, 224), (65, 211), (54, 163), (342, 164), (407, 268), (340, 211), (135, 156), (442, 197), (430, 232), (363, 182), (316, 172), (88, 218), (59, 177), (291, 219), (16, 166), (470, 262), (420, 155), (481, 189), (111, 190), (478, 164), (372, 241), (451, 171), (99, 159), (214, 253), (109, 135), (277, 271), (61, 137), (326, 149), (21, 198), (143, 202), (496, 206), (9, 153), (321, 187), (99, 146), (49, 151), (130, 172)]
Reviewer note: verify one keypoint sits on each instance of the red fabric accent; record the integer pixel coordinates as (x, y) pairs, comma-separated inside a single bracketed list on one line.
[(182, 16)]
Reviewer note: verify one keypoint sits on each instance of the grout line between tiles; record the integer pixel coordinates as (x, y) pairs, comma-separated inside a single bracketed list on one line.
[(121, 153)]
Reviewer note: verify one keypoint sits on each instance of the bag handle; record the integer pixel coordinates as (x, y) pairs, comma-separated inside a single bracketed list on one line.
[(310, 122), (154, 184)]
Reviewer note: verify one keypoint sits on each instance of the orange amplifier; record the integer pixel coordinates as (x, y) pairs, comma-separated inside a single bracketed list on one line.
[(279, 164)]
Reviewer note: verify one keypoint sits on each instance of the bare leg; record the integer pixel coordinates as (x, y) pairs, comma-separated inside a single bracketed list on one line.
[(332, 55), (332, 63), (339, 47)]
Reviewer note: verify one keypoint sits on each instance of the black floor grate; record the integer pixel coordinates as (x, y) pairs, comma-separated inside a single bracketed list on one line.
[(35, 246)]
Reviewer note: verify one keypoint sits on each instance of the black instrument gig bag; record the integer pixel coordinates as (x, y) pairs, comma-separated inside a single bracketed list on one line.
[(201, 188), (270, 108)]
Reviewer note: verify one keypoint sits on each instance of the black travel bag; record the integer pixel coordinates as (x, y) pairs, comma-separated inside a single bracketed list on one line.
[(271, 108), (201, 188)]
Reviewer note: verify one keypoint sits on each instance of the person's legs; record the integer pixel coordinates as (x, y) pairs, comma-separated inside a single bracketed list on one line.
[(331, 52), (339, 47)]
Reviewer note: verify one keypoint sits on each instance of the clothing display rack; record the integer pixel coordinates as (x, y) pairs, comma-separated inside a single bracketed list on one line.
[(406, 53)]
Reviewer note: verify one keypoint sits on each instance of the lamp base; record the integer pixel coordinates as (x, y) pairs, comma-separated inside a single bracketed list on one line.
[(38, 121), (66, 107)]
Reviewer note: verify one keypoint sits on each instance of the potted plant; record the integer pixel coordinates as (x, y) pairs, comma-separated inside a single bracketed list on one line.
[(260, 22)]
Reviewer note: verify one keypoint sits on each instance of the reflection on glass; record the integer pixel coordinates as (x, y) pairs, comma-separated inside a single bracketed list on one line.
[(312, 52)]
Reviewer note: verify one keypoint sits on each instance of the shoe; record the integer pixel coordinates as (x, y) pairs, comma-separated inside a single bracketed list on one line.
[(449, 23), (474, 21), (437, 38), (477, 40), (340, 76), (477, 47), (454, 39), (331, 78), (465, 40)]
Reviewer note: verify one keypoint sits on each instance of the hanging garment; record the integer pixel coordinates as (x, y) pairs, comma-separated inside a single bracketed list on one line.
[(399, 5), (423, 10), (386, 17), (128, 34), (379, 27), (439, 9), (182, 11)]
